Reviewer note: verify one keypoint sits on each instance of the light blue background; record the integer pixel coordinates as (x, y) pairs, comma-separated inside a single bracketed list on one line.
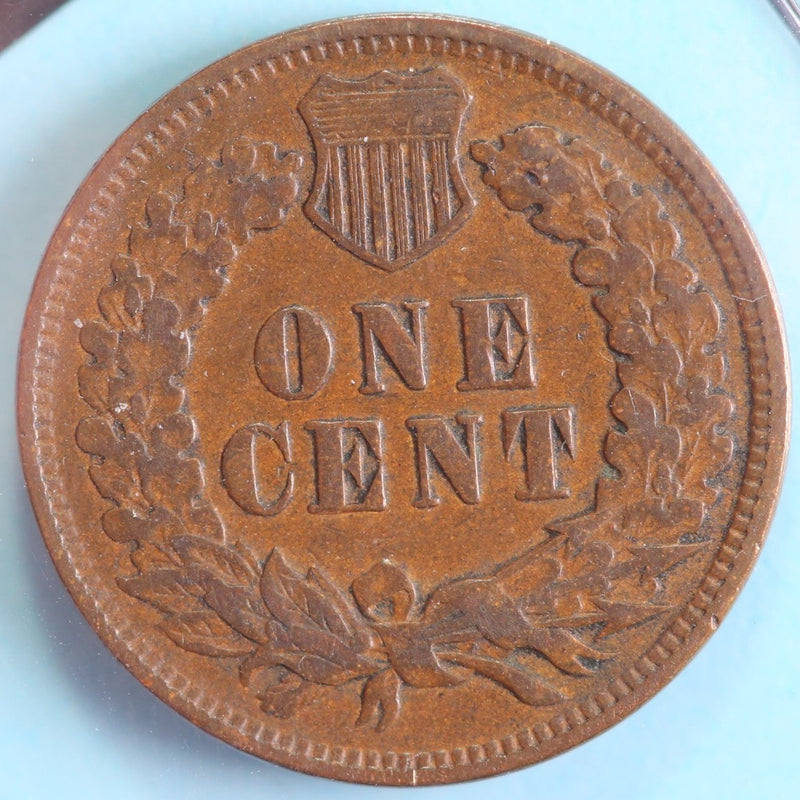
[(73, 722)]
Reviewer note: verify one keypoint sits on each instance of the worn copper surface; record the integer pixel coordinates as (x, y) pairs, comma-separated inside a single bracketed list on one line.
[(403, 400)]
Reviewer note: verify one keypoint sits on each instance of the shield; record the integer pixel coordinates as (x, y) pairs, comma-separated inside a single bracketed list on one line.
[(388, 185)]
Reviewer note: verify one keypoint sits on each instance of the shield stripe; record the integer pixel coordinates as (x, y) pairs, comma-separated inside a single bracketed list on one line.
[(362, 177), (327, 182), (391, 245), (380, 213), (419, 191), (356, 199), (399, 199), (441, 183), (336, 189)]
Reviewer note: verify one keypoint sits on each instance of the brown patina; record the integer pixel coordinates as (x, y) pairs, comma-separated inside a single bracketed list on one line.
[(403, 400)]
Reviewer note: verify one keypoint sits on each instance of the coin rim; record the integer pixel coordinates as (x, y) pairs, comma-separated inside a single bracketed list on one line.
[(496, 41)]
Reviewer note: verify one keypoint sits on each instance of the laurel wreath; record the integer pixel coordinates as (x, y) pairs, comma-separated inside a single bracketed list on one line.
[(554, 606)]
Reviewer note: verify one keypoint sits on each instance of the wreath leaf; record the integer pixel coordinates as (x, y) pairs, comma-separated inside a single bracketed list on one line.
[(319, 669), (309, 603), (169, 590), (203, 632), (237, 607), (207, 556)]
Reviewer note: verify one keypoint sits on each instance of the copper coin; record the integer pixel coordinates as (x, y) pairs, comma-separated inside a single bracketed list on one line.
[(403, 400)]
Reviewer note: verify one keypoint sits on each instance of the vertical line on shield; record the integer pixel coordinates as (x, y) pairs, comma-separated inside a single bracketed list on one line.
[(337, 190), (419, 191), (380, 212), (363, 218), (356, 201), (441, 183), (399, 199)]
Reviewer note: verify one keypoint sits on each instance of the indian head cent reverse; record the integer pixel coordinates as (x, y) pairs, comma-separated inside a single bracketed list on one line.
[(403, 399)]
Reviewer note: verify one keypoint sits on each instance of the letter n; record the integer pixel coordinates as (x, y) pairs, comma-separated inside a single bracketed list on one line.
[(453, 449), (387, 337)]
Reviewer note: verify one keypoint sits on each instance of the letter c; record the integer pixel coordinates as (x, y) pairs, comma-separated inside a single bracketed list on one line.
[(245, 463)]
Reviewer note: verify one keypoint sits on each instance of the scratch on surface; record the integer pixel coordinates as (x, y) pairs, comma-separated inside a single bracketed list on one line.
[(748, 299)]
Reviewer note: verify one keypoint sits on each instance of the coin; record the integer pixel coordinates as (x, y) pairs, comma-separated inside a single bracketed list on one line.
[(403, 400)]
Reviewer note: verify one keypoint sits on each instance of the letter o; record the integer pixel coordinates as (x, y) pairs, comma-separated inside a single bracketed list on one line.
[(294, 353)]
